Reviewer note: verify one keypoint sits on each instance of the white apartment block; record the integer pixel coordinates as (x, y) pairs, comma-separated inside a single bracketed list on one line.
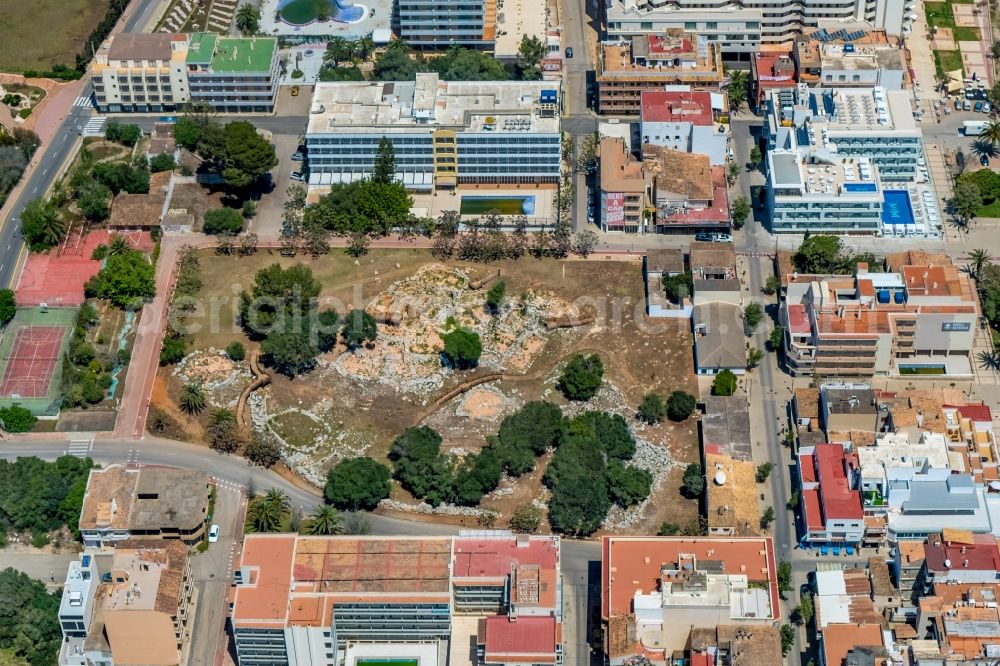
[(742, 26)]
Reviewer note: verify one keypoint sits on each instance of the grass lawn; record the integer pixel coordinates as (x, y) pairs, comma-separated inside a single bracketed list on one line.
[(947, 61), (478, 205), (965, 34), (41, 33), (939, 14), (989, 210)]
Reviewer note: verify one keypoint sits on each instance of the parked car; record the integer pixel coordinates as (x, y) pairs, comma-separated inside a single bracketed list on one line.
[(987, 107), (967, 106), (984, 160), (297, 156), (295, 91), (213, 534), (569, 51), (978, 107), (298, 175), (958, 104), (703, 236), (722, 238)]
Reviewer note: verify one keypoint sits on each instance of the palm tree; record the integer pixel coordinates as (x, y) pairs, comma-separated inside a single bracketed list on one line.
[(365, 46), (335, 50), (324, 520), (41, 223), (247, 19), (989, 359), (737, 88), (192, 398), (991, 132), (266, 513), (977, 259), (118, 245)]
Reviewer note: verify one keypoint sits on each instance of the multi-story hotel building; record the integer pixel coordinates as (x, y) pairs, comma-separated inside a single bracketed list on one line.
[(322, 601), (148, 73), (444, 133), (743, 26), (627, 68), (442, 23), (918, 321)]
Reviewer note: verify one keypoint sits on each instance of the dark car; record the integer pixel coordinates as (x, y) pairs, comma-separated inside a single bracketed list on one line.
[(703, 236), (984, 160), (569, 51), (977, 107)]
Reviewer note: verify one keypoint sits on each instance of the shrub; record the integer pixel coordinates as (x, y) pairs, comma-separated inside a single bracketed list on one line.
[(525, 519), (753, 313), (225, 221), (8, 307), (652, 409), (495, 296), (235, 351), (724, 383), (173, 349), (17, 419), (162, 162), (262, 450), (694, 480), (680, 405), (581, 378)]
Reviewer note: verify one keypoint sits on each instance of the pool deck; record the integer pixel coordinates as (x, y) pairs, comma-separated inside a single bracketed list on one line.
[(955, 366), (432, 204)]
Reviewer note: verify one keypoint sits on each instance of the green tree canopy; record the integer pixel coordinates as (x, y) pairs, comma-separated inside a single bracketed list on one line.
[(384, 168), (41, 225), (462, 348), (530, 53), (652, 409), (680, 405), (818, 254), (224, 221), (8, 307), (125, 280), (581, 378), (357, 484), (677, 287), (694, 480), (359, 328), (29, 624)]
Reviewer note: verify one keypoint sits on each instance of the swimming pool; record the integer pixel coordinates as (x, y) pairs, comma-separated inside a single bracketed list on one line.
[(921, 369), (896, 207), (503, 204)]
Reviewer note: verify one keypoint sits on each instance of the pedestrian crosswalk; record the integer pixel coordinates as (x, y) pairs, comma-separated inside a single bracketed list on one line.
[(95, 126), (79, 447), (82, 101)]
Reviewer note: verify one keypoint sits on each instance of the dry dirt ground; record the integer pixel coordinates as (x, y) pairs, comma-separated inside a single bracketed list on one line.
[(356, 404)]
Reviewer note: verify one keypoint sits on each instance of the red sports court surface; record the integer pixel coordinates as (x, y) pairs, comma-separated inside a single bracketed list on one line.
[(32, 361), (57, 277)]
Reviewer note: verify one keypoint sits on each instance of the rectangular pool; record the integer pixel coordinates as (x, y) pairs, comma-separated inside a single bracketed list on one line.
[(921, 369), (503, 204), (896, 207)]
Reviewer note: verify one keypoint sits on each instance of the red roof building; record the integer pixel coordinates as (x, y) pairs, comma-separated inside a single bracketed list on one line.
[(957, 556), (830, 504), (667, 106), (647, 582), (771, 70), (525, 640)]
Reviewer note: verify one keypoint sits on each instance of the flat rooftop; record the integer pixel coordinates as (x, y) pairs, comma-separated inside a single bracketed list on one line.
[(420, 106), (853, 110), (725, 427), (243, 56), (861, 57), (295, 580), (897, 450), (673, 57), (632, 564), (732, 497)]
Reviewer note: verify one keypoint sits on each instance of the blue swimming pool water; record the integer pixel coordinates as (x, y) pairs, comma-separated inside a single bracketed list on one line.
[(896, 208), (859, 187)]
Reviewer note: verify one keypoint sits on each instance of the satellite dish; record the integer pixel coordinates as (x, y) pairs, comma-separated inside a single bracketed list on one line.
[(720, 478)]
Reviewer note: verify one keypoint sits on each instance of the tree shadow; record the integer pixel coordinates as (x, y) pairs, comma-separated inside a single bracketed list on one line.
[(983, 148)]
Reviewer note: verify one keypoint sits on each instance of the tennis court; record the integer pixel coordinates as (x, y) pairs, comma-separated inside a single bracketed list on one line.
[(31, 350)]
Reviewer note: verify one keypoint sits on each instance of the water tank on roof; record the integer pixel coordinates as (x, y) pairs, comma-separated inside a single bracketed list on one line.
[(899, 297), (883, 295), (720, 478)]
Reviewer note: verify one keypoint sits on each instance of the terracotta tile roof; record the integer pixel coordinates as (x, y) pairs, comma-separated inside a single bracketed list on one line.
[(686, 174), (528, 639), (134, 211), (620, 172), (839, 639)]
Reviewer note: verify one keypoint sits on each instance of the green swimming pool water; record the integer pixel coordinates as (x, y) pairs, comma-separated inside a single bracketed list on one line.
[(386, 662), (505, 205)]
